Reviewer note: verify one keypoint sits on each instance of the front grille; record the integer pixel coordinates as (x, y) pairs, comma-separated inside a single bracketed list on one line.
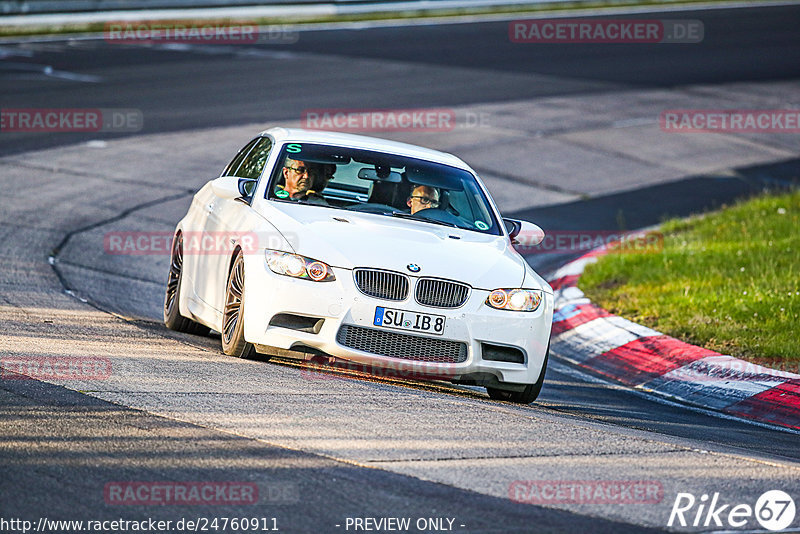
[(404, 346), (382, 284), (441, 293)]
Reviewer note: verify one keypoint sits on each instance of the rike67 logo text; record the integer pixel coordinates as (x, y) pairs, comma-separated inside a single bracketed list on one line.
[(774, 510)]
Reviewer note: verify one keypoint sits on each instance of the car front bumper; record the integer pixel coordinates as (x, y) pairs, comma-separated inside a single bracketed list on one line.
[(340, 303)]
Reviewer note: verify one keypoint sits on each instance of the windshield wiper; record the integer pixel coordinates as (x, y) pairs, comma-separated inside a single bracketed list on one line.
[(403, 215)]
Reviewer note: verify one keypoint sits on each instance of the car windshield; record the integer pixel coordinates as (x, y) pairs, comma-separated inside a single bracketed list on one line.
[(379, 183)]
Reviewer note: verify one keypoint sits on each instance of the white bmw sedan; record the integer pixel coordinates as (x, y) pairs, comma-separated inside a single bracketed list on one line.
[(369, 251)]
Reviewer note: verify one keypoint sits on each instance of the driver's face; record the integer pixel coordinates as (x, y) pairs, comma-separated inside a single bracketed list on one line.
[(299, 176)]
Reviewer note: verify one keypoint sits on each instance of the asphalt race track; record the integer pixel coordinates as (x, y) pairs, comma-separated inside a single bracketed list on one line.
[(564, 135)]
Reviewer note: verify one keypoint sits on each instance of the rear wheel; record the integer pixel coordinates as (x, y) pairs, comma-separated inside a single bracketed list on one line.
[(526, 396), (172, 312), (233, 342)]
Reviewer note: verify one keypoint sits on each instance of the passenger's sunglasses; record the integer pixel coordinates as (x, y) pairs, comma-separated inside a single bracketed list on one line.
[(426, 201)]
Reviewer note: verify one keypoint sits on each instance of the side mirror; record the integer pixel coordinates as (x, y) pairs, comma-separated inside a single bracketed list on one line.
[(513, 227), (233, 187), (523, 233), (247, 187)]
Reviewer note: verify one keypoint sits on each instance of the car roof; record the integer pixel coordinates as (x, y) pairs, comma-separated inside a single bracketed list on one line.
[(302, 135)]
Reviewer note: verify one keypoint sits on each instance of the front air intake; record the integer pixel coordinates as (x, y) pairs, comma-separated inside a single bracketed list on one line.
[(403, 346)]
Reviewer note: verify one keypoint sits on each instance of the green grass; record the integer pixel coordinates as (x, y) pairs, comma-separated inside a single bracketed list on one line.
[(728, 281)]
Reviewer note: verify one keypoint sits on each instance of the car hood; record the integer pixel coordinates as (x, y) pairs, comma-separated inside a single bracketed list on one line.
[(348, 239)]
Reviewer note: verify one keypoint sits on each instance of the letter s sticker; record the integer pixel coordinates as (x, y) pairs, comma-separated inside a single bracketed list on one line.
[(294, 148)]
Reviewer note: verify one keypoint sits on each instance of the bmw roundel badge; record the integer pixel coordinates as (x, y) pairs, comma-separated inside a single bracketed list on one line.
[(413, 267)]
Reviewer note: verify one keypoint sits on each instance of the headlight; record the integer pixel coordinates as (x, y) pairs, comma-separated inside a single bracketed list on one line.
[(298, 266), (515, 299)]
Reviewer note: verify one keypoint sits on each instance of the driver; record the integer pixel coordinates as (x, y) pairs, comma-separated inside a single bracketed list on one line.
[(300, 176), (423, 197)]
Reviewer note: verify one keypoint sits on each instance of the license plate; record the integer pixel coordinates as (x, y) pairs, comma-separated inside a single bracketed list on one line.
[(408, 320)]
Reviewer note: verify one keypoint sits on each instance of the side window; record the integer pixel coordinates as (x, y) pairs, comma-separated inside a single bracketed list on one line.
[(233, 166), (253, 164)]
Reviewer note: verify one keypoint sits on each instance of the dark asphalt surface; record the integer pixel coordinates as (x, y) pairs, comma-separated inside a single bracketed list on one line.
[(63, 445), (388, 67), (68, 446)]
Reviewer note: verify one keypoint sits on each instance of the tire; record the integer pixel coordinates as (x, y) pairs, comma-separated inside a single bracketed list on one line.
[(172, 312), (526, 396), (233, 342)]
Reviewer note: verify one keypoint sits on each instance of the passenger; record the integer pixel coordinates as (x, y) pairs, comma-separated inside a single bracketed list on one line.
[(423, 197)]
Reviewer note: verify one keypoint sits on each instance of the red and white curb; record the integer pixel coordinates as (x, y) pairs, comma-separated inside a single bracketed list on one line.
[(592, 338)]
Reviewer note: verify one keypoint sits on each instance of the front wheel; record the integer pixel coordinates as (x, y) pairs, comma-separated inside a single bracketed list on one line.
[(526, 396), (233, 342)]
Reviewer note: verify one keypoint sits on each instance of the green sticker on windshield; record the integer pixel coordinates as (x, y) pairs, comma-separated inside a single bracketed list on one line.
[(282, 193), (480, 225), (294, 148)]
